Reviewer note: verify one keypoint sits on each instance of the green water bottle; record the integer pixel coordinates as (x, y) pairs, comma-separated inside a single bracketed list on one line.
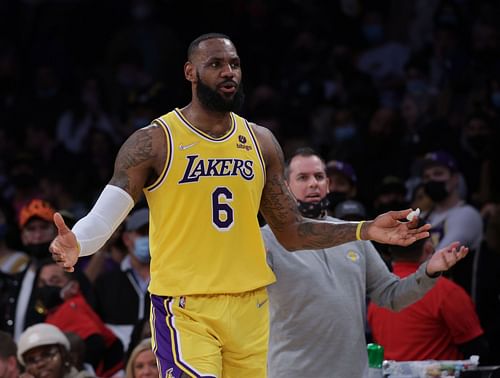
[(375, 360)]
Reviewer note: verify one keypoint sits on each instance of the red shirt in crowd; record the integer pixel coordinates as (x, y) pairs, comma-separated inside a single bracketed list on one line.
[(75, 315), (431, 328)]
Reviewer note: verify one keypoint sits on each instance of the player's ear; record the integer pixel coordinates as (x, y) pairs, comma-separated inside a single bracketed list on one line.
[(189, 72)]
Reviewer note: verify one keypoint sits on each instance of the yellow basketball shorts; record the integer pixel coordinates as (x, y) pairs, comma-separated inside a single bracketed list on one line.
[(211, 335)]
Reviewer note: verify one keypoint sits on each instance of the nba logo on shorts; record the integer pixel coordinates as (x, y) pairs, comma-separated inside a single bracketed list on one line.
[(182, 302)]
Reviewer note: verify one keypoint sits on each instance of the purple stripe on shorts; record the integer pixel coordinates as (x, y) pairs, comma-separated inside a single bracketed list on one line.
[(164, 329)]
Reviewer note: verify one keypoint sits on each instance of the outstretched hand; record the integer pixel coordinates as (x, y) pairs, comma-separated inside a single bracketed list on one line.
[(389, 228), (64, 247), (444, 258)]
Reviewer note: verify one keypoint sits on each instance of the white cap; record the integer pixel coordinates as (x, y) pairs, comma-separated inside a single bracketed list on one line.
[(39, 335)]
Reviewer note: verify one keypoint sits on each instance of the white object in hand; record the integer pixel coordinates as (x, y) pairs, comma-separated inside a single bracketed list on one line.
[(414, 213)]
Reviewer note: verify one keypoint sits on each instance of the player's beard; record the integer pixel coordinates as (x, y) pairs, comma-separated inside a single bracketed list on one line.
[(214, 101)]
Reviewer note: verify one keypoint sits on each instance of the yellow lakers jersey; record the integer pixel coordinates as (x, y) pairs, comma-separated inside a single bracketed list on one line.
[(204, 233)]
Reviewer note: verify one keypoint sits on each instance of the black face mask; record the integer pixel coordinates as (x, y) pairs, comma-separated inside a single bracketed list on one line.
[(313, 209), (38, 251), (50, 296), (436, 190), (334, 198)]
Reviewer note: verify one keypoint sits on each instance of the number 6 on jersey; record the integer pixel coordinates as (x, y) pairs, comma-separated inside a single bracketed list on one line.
[(222, 213)]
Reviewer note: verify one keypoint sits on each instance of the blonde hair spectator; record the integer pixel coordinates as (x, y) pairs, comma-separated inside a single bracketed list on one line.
[(142, 361)]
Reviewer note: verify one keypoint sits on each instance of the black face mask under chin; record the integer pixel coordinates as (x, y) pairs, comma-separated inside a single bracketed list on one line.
[(50, 296), (38, 251), (313, 209), (436, 190)]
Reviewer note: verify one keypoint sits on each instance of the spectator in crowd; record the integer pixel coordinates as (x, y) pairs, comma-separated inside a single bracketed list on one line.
[(414, 113), (420, 200), (11, 261), (391, 191), (65, 307), (43, 350), (390, 194), (305, 338), (443, 325), (48, 96), (350, 210), (77, 352), (97, 165), (342, 183), (24, 177), (86, 113), (452, 219), (37, 230), (142, 362), (345, 133), (383, 149), (383, 59), (121, 295), (477, 145), (62, 195), (8, 356)]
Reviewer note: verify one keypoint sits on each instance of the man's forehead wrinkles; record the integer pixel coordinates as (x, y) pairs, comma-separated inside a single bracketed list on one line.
[(219, 51)]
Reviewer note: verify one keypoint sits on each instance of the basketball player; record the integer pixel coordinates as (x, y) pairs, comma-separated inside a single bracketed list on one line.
[(206, 172)]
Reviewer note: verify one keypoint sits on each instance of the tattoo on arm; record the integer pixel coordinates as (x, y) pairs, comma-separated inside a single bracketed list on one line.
[(316, 235), (278, 202), (136, 150)]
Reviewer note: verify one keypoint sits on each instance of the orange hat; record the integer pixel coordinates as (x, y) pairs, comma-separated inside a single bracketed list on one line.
[(36, 208)]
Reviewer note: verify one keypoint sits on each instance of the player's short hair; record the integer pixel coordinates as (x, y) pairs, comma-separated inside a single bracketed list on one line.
[(194, 45)]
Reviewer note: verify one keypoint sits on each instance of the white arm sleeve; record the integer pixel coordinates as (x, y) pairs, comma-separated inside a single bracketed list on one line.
[(109, 211)]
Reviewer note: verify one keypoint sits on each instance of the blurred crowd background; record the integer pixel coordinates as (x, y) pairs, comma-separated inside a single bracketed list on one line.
[(374, 84)]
